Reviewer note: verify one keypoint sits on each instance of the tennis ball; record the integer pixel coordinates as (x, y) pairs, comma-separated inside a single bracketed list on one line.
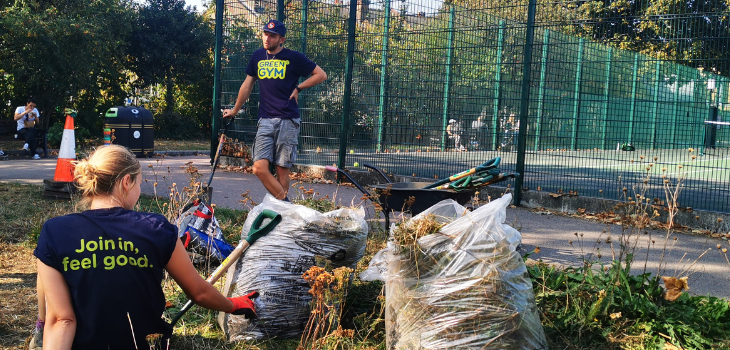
[(352, 151), (357, 164)]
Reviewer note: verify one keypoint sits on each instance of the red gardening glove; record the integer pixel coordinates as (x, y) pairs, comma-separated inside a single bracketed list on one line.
[(243, 305)]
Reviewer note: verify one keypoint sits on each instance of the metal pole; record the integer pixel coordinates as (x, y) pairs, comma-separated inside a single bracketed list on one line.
[(219, 4), (497, 85), (655, 106), (280, 10), (383, 78), (675, 111), (541, 90), (576, 96), (303, 34), (606, 98), (447, 83), (525, 101), (632, 112), (345, 122)]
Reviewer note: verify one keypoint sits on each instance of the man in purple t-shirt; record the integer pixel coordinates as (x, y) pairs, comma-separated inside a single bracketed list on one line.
[(277, 70)]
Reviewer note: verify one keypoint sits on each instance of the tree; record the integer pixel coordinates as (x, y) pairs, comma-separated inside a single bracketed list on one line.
[(65, 53), (171, 44)]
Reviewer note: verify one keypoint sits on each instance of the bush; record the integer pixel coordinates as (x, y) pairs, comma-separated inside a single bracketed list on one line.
[(55, 135), (173, 125)]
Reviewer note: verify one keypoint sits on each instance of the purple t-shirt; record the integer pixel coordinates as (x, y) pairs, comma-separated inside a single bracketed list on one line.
[(113, 261), (278, 75)]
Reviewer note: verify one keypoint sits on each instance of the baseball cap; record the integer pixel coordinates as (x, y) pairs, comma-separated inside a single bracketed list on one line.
[(275, 27)]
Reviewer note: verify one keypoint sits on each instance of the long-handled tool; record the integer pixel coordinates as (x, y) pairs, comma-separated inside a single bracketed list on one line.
[(255, 233), (218, 151), (490, 164)]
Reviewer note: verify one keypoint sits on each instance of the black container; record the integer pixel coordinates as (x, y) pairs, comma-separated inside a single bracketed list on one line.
[(131, 127)]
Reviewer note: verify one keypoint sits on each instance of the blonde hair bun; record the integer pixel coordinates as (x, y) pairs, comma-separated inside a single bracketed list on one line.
[(98, 174)]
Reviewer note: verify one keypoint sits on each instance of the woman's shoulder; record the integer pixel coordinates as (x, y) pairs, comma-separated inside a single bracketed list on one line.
[(154, 220), (65, 219)]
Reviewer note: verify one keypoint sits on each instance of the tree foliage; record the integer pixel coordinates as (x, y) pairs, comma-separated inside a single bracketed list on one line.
[(65, 53), (170, 44)]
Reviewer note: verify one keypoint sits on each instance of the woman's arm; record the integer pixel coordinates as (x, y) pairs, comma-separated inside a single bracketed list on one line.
[(195, 287), (60, 326)]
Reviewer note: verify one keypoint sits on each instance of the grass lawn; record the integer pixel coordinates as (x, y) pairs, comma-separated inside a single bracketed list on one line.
[(590, 307)]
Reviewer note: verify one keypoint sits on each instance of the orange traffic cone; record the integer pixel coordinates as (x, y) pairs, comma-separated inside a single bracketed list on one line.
[(67, 153)]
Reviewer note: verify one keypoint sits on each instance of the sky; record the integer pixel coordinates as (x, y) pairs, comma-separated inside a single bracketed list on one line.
[(197, 3)]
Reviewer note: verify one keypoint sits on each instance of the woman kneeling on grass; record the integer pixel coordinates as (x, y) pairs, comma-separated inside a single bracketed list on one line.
[(102, 269)]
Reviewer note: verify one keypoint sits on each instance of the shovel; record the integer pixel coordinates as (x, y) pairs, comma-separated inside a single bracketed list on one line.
[(255, 233), (490, 164)]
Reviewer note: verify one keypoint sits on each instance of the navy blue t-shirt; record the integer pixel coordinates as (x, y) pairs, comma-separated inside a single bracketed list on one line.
[(278, 75), (113, 262)]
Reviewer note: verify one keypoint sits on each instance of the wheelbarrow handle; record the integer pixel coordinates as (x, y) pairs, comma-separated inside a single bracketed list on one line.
[(338, 170), (379, 172)]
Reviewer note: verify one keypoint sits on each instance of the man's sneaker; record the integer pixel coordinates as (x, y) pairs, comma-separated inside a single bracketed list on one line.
[(36, 342), (25, 147), (35, 156), (2, 153)]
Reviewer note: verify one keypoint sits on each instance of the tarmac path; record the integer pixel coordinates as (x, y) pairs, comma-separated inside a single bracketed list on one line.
[(551, 233)]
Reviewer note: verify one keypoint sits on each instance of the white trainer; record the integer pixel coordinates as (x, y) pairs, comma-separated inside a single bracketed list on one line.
[(25, 147), (35, 156)]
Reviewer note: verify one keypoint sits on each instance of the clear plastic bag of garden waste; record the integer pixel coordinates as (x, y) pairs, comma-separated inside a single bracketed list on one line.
[(274, 265), (463, 287)]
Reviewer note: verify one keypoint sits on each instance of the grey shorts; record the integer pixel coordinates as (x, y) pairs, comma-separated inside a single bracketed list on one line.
[(276, 141)]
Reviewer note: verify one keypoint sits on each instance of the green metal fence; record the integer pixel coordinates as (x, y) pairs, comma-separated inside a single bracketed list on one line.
[(554, 88)]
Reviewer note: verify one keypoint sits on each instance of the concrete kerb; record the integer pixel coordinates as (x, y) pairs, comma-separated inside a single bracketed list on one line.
[(696, 219), (181, 153), (167, 153)]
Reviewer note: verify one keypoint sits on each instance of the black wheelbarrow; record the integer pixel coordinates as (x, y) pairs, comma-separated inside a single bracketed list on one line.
[(412, 197)]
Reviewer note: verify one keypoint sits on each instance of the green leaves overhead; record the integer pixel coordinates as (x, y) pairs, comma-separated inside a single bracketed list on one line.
[(54, 50), (170, 44)]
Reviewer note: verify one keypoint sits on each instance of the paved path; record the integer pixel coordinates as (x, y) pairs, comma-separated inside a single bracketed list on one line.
[(551, 233)]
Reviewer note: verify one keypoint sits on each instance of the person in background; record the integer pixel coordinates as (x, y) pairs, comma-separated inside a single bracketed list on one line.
[(511, 129), (454, 132), (277, 69), (479, 131), (100, 270), (27, 116)]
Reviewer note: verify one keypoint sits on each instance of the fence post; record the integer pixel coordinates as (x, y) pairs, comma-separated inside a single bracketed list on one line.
[(383, 77), (632, 112), (606, 98), (525, 101), (541, 91), (219, 4), (497, 84), (305, 20), (675, 111), (655, 107), (447, 83), (576, 96), (346, 97), (280, 10)]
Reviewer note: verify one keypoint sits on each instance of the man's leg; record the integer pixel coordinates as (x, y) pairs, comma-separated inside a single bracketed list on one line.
[(23, 134), (30, 138), (286, 151), (261, 170), (264, 152), (282, 175)]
